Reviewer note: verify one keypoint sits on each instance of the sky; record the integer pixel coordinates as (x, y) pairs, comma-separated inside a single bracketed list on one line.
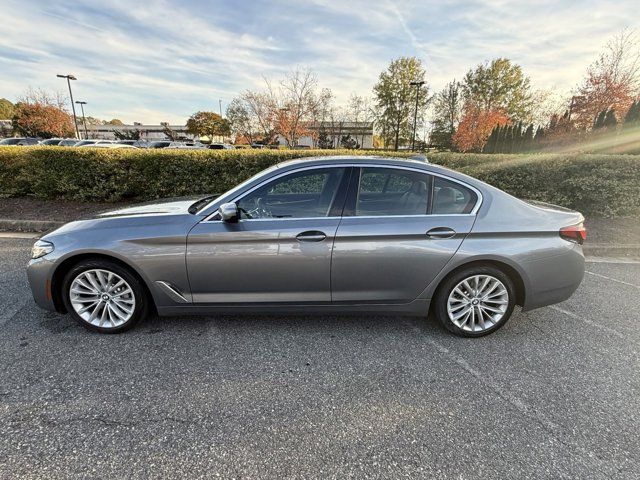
[(158, 60)]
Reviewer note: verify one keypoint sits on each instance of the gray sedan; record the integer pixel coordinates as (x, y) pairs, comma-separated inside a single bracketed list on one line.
[(322, 235)]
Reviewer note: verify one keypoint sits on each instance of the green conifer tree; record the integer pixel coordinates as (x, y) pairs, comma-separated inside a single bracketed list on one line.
[(599, 120), (489, 147), (610, 121)]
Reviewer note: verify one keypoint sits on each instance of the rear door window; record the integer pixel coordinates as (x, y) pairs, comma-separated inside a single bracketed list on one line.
[(389, 191)]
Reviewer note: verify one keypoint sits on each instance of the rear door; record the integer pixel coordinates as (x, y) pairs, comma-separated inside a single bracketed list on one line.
[(399, 228)]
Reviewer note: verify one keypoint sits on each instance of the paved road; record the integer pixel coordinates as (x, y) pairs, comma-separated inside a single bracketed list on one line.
[(554, 394)]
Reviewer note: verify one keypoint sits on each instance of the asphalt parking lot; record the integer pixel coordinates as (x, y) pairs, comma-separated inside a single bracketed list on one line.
[(554, 394)]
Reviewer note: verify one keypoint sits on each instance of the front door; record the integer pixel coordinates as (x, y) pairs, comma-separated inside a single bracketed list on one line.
[(400, 228), (280, 249)]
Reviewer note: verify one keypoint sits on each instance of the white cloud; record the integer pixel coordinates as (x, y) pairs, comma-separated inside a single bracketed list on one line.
[(159, 60)]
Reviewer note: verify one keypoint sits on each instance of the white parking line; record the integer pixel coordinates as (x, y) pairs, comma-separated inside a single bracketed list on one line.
[(613, 260), (612, 279), (520, 405), (589, 322), (19, 235)]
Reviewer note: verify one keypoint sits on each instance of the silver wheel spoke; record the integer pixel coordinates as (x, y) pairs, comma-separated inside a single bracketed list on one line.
[(461, 314), (102, 298), (499, 302), (477, 303)]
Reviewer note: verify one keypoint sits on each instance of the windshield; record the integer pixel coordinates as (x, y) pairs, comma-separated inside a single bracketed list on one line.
[(10, 141)]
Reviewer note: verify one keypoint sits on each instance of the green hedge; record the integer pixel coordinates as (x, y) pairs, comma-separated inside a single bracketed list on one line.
[(604, 185), (596, 185)]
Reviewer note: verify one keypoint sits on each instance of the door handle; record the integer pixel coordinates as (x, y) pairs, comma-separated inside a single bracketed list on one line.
[(311, 236), (441, 232)]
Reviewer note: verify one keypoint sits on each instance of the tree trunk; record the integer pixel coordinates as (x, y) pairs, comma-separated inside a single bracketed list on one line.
[(397, 133)]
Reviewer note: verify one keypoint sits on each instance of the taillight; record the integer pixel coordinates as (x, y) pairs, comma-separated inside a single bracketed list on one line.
[(574, 233)]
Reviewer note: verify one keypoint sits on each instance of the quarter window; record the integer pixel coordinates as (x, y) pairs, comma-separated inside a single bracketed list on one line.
[(452, 198), (305, 194), (387, 191)]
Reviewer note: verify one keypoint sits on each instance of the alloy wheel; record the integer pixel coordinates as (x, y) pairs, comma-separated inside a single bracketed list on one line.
[(102, 298), (477, 303)]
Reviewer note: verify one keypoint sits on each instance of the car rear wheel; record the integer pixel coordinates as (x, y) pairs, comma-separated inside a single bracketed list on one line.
[(475, 301), (103, 296)]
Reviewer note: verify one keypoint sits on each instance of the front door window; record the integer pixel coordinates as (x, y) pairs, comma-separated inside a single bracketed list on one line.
[(306, 194)]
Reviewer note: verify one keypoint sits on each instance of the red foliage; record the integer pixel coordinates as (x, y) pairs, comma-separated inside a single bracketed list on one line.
[(476, 126), (40, 120)]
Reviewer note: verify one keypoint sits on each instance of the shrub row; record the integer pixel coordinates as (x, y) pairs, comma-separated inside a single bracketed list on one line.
[(112, 175), (596, 185), (603, 185)]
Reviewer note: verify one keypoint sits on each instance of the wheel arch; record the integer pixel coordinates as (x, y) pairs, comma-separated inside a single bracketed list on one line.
[(68, 263), (512, 272)]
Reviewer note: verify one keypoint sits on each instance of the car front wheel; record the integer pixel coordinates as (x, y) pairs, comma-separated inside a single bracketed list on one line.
[(103, 296), (475, 301)]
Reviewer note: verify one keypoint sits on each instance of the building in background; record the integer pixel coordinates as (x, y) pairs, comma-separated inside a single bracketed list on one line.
[(337, 134), (147, 132)]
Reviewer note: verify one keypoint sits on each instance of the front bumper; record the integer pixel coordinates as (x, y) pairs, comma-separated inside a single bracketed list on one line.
[(40, 276)]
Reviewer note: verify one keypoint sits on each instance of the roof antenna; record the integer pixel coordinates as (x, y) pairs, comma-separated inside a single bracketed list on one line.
[(419, 158)]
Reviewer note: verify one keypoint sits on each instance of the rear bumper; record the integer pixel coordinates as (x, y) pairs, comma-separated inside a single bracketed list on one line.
[(39, 274), (553, 279)]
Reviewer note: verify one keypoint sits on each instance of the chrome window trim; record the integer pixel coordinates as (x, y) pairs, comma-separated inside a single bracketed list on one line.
[(473, 212)]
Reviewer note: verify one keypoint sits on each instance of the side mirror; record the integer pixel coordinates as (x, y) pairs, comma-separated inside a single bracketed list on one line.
[(229, 212)]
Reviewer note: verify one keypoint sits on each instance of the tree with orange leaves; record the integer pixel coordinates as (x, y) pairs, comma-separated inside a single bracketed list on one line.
[(612, 81), (38, 114), (476, 126)]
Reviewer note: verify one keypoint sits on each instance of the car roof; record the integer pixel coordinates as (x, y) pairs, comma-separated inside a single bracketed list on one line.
[(354, 159), (381, 160)]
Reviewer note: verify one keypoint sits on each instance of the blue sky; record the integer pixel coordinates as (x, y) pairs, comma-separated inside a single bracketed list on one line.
[(160, 60)]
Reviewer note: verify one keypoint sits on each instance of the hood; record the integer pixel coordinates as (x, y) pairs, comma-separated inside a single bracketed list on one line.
[(173, 206)]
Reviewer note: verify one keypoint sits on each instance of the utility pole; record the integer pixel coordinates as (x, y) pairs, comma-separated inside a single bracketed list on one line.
[(415, 113), (84, 121), (70, 77)]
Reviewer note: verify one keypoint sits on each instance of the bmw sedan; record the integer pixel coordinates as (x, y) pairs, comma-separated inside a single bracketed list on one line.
[(321, 235)]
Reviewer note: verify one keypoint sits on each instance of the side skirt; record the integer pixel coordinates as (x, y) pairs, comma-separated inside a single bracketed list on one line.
[(418, 307)]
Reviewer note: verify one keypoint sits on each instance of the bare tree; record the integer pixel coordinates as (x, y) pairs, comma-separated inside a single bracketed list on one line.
[(243, 124), (261, 108), (298, 102), (612, 81), (38, 96)]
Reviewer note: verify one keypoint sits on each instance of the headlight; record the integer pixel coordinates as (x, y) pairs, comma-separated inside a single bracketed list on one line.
[(41, 248)]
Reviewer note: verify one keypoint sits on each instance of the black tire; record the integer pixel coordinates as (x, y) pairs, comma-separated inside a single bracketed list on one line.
[(142, 301), (449, 283)]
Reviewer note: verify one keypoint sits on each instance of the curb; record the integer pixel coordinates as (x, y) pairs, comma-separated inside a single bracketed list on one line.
[(34, 226)]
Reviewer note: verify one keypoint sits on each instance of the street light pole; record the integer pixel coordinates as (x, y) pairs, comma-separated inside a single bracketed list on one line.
[(415, 113), (70, 77), (84, 121)]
